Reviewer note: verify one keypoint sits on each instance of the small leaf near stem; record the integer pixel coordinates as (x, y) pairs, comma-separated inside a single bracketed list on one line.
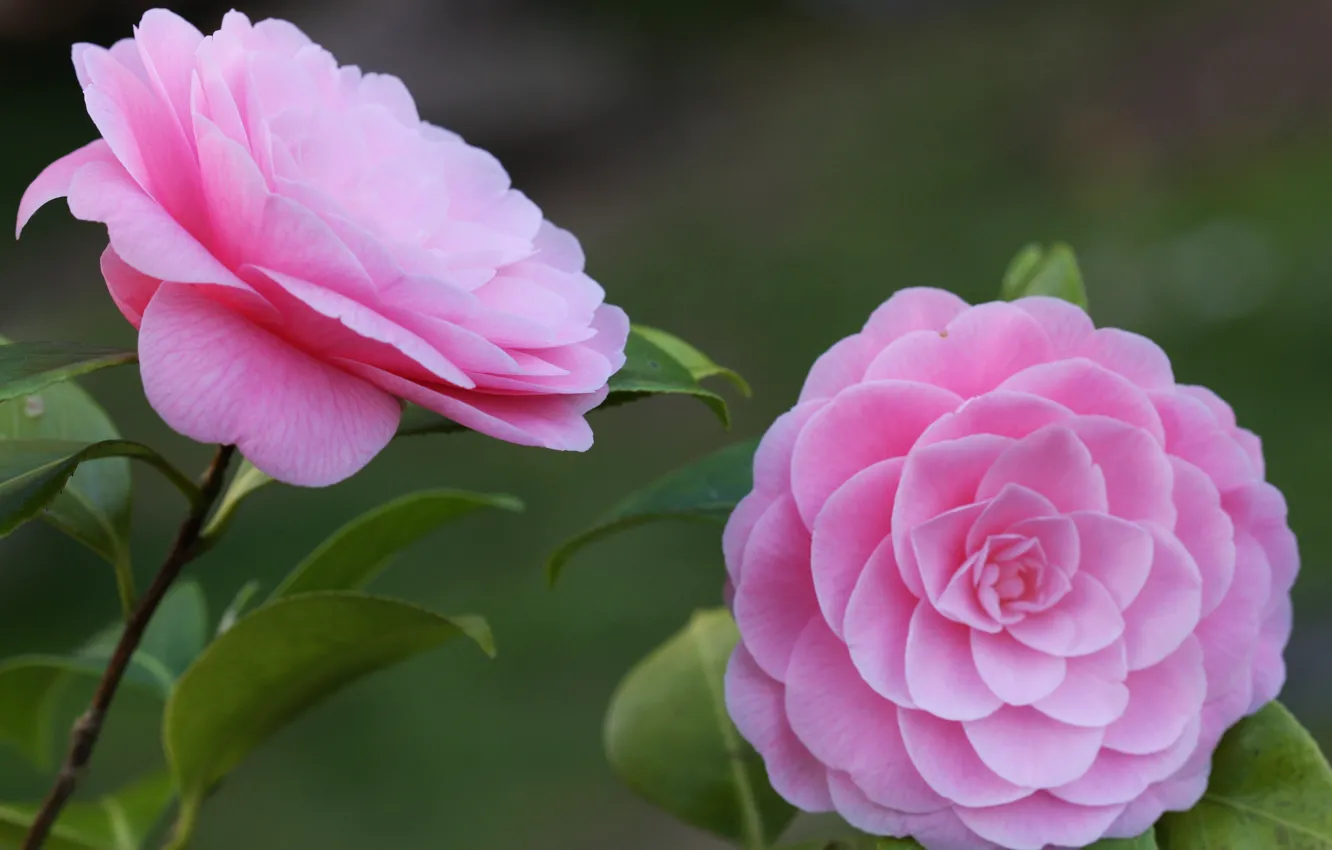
[(87, 729)]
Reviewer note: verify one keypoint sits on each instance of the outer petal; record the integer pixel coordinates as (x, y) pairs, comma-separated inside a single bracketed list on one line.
[(1167, 609), (849, 727), (1206, 531), (913, 309), (1134, 356), (775, 598), (55, 179), (878, 619), (130, 289), (1041, 820), (1067, 325), (1163, 699), (1119, 778), (755, 703), (1088, 388), (1028, 748), (853, 523), (947, 761), (1192, 433), (839, 367), (216, 378), (863, 425), (1137, 472), (941, 830)]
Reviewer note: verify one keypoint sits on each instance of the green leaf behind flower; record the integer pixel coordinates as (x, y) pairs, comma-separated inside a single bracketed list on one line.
[(27, 367), (1049, 271)]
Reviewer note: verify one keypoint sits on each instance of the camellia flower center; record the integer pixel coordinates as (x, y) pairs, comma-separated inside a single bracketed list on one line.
[(1012, 577)]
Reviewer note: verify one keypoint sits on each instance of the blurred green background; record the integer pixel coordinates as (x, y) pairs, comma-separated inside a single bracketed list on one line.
[(756, 176)]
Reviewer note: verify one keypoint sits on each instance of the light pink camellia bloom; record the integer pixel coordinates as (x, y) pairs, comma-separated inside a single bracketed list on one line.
[(1001, 582), (300, 251)]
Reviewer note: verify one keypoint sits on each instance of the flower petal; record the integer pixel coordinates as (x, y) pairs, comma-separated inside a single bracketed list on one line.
[(1085, 620), (1137, 471), (217, 378), (940, 671), (1016, 674), (1092, 693), (130, 289), (878, 619), (1039, 821), (1003, 413), (1090, 389), (1054, 463), (55, 179), (1167, 609), (1115, 552), (949, 764), (1163, 699), (1027, 748), (913, 309), (1205, 530)]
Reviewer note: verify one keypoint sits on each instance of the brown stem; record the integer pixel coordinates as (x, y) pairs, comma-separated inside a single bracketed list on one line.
[(83, 737)]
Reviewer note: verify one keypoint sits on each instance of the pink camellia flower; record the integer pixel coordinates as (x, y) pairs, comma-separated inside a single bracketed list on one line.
[(300, 251), (1001, 582)]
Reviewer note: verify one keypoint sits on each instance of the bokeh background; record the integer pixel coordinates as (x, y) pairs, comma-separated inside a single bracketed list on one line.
[(755, 175)]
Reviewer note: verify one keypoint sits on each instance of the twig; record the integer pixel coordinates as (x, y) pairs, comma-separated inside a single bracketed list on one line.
[(83, 737)]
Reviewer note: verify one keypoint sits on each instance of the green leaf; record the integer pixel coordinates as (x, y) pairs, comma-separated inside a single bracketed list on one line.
[(1270, 787), (29, 685), (121, 821), (651, 370), (175, 636), (669, 738), (706, 490), (1041, 271), (361, 549), (1146, 841), (26, 367), (33, 474), (281, 660), (248, 478), (698, 363)]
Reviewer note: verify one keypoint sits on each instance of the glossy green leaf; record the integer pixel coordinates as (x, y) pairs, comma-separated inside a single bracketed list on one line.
[(27, 367), (1049, 271), (30, 684), (651, 370), (175, 635), (279, 661), (361, 549), (699, 364), (669, 738), (706, 490), (246, 481), (1270, 787), (120, 821)]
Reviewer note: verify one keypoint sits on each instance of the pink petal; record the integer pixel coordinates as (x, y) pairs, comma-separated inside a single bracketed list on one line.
[(142, 233), (129, 289), (772, 461), (559, 248), (1115, 552), (739, 527), (216, 378), (853, 522), (975, 353), (940, 671), (1029, 749), (1017, 674), (940, 830), (775, 598), (1116, 777), (1167, 609), (1040, 821), (1085, 620), (1269, 664), (1134, 356), (959, 602), (949, 764), (550, 421), (1163, 699), (1230, 634), (1176, 794), (1192, 433), (1090, 389), (1003, 413), (849, 727), (1093, 693), (841, 366), (1011, 505), (861, 426), (878, 619), (940, 546), (1067, 325), (1260, 509), (756, 704), (1054, 463), (912, 309), (167, 44), (1205, 530), (55, 179), (936, 479), (1058, 537), (1137, 471)]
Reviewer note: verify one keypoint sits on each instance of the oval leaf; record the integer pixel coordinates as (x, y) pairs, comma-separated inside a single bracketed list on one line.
[(698, 363), (1270, 787), (175, 636), (281, 660), (1146, 841), (360, 550), (26, 367), (29, 685), (121, 821), (706, 490), (239, 603), (669, 738), (1039, 271), (650, 370)]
